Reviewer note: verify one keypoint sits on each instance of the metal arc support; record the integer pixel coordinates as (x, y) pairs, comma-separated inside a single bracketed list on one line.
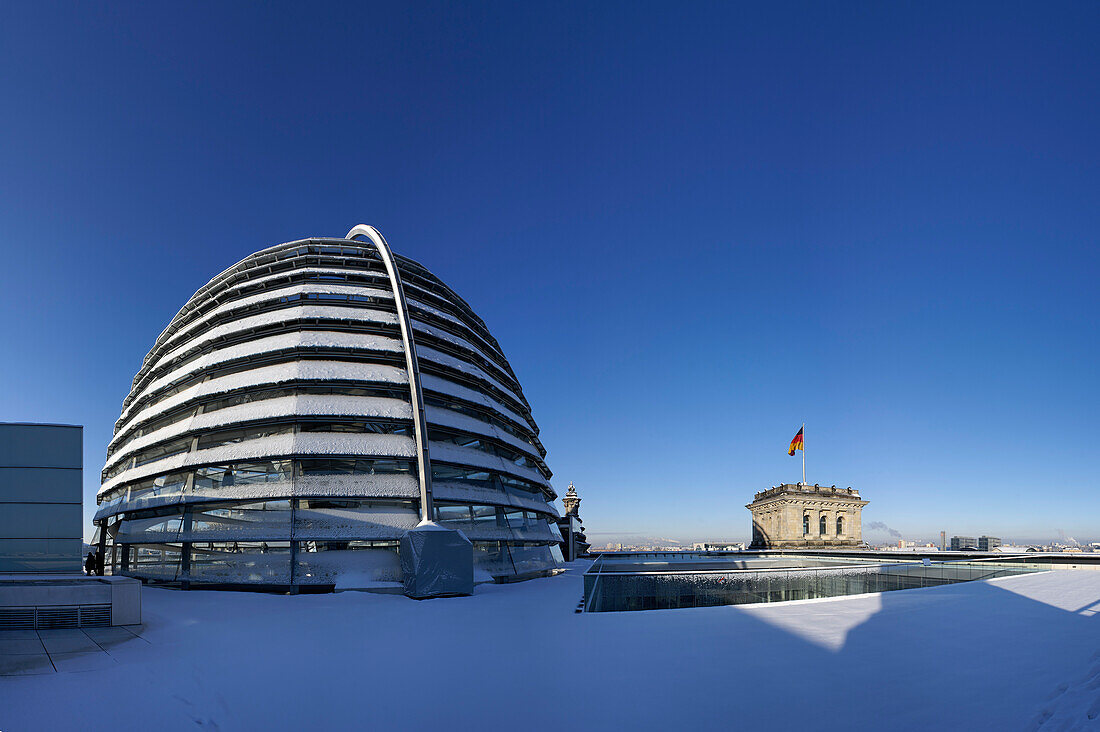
[(420, 423)]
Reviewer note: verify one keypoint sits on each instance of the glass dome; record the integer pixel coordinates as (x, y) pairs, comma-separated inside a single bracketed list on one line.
[(270, 437)]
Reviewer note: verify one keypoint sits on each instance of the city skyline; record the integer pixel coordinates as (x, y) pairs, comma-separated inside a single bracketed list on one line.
[(690, 231)]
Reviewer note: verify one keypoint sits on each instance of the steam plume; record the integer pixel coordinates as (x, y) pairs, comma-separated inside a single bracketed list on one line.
[(883, 527)]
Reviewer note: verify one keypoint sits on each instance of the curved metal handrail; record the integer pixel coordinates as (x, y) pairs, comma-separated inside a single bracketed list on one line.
[(423, 465)]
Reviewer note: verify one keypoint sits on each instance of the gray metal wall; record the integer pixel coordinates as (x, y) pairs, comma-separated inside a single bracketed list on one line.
[(41, 470)]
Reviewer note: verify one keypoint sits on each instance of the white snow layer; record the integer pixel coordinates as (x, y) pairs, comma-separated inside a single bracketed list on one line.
[(451, 453), (475, 337), (271, 344), (277, 294), (1018, 653), (323, 405), (455, 420), (414, 301), (305, 405), (306, 370), (283, 315), (458, 341), (428, 353), (395, 485), (431, 382), (307, 339), (318, 443), (311, 270), (332, 312)]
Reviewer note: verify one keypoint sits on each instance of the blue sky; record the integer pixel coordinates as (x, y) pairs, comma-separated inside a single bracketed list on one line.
[(691, 227)]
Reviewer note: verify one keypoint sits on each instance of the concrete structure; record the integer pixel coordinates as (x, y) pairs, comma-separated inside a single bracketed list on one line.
[(68, 601), (797, 515), (988, 543), (304, 411), (963, 543), (41, 469), (41, 587), (574, 541)]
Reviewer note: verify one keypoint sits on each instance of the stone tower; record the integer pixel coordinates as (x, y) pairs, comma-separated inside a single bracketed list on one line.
[(804, 516), (571, 502)]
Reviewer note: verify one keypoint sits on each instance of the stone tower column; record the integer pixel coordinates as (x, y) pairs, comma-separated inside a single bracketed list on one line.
[(571, 501)]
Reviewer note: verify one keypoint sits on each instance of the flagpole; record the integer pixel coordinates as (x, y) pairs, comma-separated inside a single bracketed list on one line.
[(803, 453)]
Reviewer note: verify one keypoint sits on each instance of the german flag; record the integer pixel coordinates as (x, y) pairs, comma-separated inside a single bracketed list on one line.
[(796, 443)]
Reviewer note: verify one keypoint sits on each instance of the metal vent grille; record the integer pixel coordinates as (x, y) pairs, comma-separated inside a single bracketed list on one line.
[(58, 617), (73, 616), (16, 618), (95, 616)]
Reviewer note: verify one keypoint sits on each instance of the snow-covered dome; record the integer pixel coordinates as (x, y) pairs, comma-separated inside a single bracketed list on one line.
[(273, 434)]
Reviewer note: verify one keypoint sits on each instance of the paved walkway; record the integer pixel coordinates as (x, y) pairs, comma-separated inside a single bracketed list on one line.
[(25, 652)]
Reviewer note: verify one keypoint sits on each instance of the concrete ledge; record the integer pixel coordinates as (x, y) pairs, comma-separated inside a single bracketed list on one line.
[(23, 591)]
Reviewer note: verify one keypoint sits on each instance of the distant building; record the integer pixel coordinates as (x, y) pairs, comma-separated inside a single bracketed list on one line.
[(573, 541), (802, 515), (969, 543), (718, 546), (41, 477)]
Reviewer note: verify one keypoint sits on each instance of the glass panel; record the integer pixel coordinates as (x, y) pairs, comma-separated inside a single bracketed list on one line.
[(349, 564), (491, 560), (164, 450), (353, 466), (459, 514), (238, 521), (383, 428), (532, 558), (155, 561), (152, 529), (170, 485), (318, 518), (468, 476), (241, 562), (229, 437), (217, 477)]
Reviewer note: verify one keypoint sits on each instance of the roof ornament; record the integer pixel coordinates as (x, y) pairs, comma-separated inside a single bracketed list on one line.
[(571, 501)]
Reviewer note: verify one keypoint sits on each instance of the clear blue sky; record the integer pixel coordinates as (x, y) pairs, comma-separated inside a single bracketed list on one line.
[(691, 227)]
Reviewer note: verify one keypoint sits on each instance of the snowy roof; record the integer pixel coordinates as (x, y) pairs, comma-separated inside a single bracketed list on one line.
[(1002, 655)]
